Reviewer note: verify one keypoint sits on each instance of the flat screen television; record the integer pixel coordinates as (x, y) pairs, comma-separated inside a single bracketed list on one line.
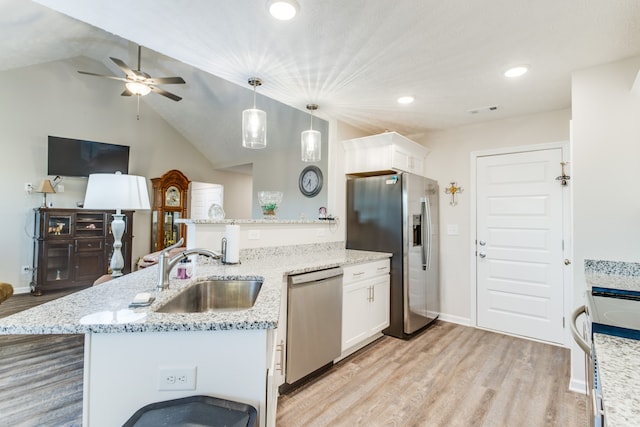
[(76, 157)]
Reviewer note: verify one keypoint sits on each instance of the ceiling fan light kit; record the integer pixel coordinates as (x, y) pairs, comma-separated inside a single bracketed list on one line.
[(137, 88), (254, 122), (311, 142)]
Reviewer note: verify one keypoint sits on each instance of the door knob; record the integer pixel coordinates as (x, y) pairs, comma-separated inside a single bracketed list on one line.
[(482, 243), (482, 255), (567, 262)]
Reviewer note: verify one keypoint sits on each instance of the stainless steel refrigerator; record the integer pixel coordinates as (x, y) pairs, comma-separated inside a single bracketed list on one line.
[(398, 213)]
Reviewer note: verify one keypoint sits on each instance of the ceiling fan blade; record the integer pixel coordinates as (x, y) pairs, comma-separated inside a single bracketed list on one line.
[(105, 76), (124, 67), (165, 93), (165, 80)]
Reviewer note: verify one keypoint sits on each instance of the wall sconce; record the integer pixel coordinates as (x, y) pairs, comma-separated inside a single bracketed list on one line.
[(311, 140), (453, 189), (45, 188), (254, 122)]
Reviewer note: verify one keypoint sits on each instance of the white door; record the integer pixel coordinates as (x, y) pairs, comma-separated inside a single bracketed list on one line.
[(519, 260)]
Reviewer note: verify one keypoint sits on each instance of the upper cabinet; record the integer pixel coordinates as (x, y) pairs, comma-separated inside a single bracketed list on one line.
[(386, 152), (169, 205)]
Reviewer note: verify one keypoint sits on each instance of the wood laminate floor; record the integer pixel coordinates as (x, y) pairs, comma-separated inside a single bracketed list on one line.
[(449, 375), (40, 375)]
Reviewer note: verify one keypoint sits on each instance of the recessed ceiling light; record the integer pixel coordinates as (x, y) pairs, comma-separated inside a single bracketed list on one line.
[(283, 10), (405, 100), (516, 71)]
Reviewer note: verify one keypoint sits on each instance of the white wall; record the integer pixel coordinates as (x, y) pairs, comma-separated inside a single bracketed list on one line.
[(53, 99), (605, 172), (449, 161), (337, 195)]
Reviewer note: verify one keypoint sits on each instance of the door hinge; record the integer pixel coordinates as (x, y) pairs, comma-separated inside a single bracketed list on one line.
[(563, 322)]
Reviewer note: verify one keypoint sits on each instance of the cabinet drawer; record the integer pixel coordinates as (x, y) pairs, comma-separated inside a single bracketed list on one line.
[(87, 245), (353, 273)]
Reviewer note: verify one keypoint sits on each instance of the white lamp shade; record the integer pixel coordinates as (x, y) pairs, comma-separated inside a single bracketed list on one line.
[(254, 128), (116, 191), (311, 146)]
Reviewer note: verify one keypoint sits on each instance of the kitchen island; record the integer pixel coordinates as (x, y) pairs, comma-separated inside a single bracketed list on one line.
[(618, 357), (129, 351)]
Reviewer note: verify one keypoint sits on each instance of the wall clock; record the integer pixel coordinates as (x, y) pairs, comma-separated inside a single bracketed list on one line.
[(310, 181)]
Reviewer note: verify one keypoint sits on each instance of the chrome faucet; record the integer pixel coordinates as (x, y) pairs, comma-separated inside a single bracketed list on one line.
[(166, 264)]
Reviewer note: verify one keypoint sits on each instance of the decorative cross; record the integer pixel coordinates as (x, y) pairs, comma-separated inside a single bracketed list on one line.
[(453, 189)]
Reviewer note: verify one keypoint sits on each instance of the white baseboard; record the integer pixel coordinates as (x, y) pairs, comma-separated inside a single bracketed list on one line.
[(464, 321), (21, 290)]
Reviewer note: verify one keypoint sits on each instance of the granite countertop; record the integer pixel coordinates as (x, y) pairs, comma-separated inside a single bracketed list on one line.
[(612, 274), (619, 368), (105, 308), (618, 358)]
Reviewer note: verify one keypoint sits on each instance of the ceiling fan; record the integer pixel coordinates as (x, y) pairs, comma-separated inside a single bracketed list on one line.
[(138, 82)]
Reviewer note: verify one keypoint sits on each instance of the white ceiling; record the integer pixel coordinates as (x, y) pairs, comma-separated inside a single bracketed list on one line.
[(353, 58)]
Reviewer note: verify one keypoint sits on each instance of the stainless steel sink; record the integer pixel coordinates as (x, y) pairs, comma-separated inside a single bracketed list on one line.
[(215, 295)]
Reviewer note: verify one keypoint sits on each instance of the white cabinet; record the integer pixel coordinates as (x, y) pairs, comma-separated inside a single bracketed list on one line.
[(365, 304), (280, 345), (276, 352), (386, 152)]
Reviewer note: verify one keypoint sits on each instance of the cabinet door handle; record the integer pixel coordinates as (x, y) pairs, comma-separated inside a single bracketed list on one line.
[(360, 273), (382, 268), (373, 294), (280, 364), (75, 246)]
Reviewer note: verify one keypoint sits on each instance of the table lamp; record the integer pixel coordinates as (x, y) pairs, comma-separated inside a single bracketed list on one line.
[(45, 188), (120, 192)]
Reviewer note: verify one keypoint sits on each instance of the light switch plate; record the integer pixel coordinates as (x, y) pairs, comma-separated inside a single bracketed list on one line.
[(452, 229)]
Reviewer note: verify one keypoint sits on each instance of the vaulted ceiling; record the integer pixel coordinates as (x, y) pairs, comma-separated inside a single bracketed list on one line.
[(354, 58)]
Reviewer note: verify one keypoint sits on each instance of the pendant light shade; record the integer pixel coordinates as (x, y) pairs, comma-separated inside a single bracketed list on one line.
[(254, 122), (311, 140)]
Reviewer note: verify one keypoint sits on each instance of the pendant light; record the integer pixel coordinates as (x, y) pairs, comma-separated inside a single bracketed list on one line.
[(311, 142), (254, 122)]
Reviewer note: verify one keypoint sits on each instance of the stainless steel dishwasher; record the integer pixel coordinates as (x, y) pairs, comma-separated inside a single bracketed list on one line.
[(314, 322)]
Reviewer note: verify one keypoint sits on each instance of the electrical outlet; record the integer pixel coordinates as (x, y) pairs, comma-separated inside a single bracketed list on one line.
[(28, 187), (254, 234), (60, 188), (177, 378)]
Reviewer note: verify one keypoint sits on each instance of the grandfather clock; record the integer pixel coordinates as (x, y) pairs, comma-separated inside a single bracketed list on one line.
[(169, 205)]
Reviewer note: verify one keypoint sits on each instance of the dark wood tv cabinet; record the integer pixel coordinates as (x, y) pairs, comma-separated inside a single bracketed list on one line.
[(73, 247)]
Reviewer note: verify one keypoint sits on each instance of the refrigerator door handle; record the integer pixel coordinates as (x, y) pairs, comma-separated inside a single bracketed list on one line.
[(426, 234)]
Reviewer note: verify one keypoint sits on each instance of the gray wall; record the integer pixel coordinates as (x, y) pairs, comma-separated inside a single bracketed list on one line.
[(49, 99)]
